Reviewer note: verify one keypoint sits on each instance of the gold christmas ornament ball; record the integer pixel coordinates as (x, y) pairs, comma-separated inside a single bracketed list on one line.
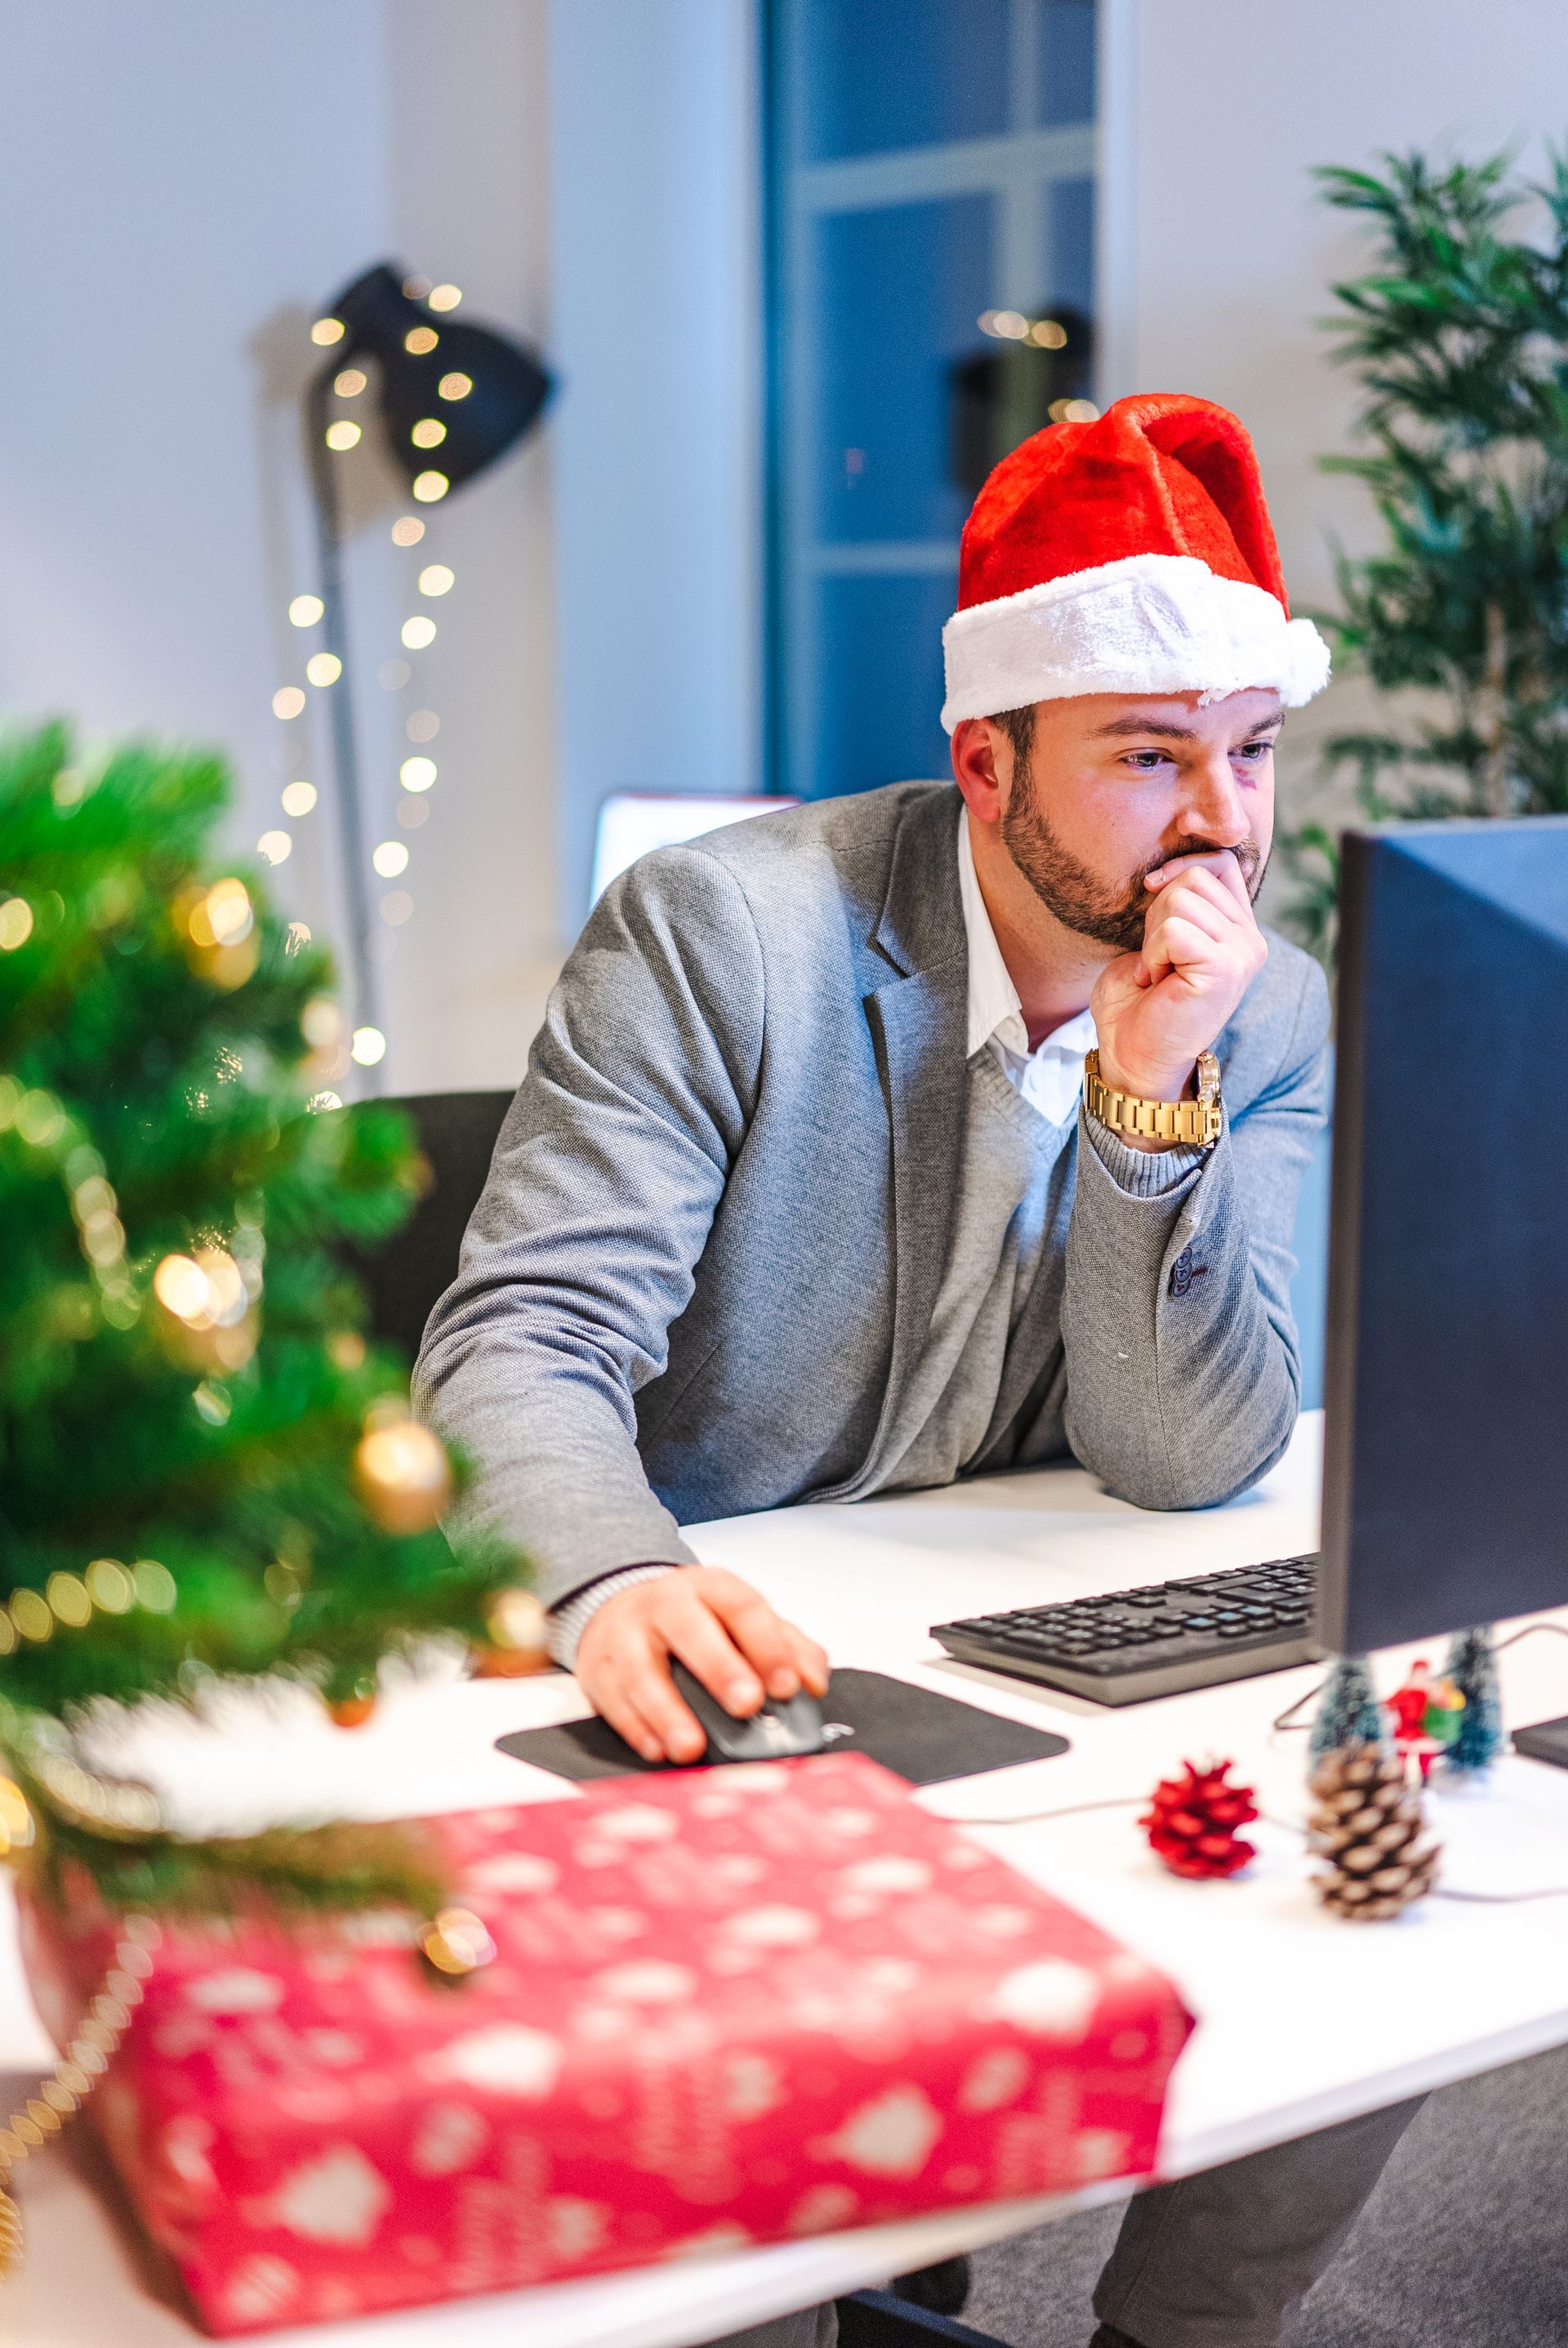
[(352, 1711), (519, 1637), (16, 1830), (517, 1620), (456, 1944), (402, 1476)]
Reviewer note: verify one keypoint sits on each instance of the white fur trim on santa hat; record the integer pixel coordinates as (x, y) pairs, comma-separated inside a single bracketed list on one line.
[(1148, 624)]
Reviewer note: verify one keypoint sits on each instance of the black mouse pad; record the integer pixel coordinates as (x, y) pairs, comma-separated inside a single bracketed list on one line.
[(922, 1737)]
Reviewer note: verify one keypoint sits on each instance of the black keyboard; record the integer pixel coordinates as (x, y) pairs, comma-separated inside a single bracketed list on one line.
[(1135, 1644)]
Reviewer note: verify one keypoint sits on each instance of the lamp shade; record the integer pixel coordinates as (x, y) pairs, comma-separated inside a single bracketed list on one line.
[(483, 389)]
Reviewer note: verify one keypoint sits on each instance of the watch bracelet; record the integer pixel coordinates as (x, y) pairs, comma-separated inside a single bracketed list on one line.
[(1197, 1122)]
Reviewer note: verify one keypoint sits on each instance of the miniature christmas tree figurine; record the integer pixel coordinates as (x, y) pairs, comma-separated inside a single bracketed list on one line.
[(207, 1470), (1349, 1712), (1192, 1819), (1472, 1666)]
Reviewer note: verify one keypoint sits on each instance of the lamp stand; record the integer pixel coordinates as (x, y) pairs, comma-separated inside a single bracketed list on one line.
[(345, 743)]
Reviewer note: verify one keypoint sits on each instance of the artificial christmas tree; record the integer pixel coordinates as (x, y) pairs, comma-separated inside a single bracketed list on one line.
[(1368, 1826), (1349, 1712), (1471, 1665), (207, 1470)]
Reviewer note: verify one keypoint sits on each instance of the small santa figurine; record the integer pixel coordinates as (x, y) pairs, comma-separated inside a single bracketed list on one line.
[(1426, 1716)]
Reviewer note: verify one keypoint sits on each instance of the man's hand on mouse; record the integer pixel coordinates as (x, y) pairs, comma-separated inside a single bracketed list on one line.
[(1156, 1010), (720, 1629)]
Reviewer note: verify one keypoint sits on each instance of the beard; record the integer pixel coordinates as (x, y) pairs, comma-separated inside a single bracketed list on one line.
[(1089, 907)]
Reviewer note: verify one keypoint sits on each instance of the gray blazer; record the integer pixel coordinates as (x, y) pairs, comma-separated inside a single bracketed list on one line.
[(717, 1215)]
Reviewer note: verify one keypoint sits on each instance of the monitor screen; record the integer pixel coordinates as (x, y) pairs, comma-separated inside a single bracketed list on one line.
[(632, 822), (1446, 1465)]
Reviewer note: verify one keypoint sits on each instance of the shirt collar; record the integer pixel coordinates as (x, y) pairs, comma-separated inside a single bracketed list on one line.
[(996, 1008)]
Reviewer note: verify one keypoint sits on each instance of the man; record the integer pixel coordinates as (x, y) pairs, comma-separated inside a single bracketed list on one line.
[(802, 1197)]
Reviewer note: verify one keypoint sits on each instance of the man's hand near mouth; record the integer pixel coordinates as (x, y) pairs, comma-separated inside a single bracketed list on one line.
[(1154, 1011)]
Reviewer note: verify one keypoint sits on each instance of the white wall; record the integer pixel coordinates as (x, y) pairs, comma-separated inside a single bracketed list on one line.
[(1221, 252), (183, 186), (658, 335)]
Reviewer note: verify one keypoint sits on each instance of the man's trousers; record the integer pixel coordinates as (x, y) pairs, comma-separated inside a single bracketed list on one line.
[(1216, 2260)]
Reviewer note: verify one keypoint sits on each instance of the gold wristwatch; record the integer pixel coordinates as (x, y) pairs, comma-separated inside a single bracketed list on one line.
[(1198, 1121)]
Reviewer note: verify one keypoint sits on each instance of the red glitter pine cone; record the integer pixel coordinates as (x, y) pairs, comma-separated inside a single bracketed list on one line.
[(1192, 1821)]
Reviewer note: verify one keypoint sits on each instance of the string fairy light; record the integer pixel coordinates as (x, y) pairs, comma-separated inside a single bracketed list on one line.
[(88, 2055), (469, 393)]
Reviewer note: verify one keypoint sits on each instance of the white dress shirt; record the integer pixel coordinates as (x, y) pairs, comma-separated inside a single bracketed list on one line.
[(1050, 1078)]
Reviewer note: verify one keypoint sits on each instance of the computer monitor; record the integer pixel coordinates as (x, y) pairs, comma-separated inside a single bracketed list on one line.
[(1445, 1497)]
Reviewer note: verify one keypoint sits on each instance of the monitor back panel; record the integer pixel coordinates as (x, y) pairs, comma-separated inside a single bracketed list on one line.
[(1446, 1468)]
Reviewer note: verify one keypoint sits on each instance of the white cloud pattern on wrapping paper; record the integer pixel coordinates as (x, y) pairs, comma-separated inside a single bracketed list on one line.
[(638, 1822), (510, 2058), (998, 2076), (258, 2288), (513, 1871), (891, 2135), (822, 2208), (1052, 1999), (713, 2242), (241, 1990), (186, 2140), (1103, 2152), (575, 2227), (752, 2086), (449, 2137), (892, 1872), (650, 1980), (771, 1927), (339, 2197)]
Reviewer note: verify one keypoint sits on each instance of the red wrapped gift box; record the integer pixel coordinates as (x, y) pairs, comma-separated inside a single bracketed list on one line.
[(727, 2006)]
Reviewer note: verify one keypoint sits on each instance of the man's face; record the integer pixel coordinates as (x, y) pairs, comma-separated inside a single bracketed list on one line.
[(1116, 785)]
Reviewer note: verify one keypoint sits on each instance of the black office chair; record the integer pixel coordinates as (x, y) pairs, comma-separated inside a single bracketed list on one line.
[(457, 1133)]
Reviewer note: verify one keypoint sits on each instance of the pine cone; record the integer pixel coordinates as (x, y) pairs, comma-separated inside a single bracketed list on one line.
[(1192, 1825), (1368, 1825)]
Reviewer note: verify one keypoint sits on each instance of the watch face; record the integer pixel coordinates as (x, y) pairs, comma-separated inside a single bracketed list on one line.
[(1208, 1075)]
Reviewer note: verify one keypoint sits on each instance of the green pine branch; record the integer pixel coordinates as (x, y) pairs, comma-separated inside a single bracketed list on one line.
[(178, 1497), (1458, 336)]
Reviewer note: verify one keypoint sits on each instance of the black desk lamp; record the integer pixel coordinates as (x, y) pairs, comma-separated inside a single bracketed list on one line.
[(453, 398)]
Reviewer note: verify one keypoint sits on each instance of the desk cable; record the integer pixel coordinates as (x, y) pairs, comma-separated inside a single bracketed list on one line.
[(1287, 1719), (1284, 1826)]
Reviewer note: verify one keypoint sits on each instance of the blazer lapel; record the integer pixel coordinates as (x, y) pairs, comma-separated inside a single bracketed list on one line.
[(919, 1020)]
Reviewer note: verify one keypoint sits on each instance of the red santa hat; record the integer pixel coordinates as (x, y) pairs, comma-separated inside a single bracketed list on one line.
[(1134, 554)]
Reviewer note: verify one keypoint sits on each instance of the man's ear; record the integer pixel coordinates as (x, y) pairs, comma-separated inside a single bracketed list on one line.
[(982, 766)]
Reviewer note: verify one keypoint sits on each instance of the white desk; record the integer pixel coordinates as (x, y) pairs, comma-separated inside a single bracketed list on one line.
[(1303, 2020)]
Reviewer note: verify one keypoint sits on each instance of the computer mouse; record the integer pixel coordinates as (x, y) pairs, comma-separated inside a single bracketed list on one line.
[(778, 1732)]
